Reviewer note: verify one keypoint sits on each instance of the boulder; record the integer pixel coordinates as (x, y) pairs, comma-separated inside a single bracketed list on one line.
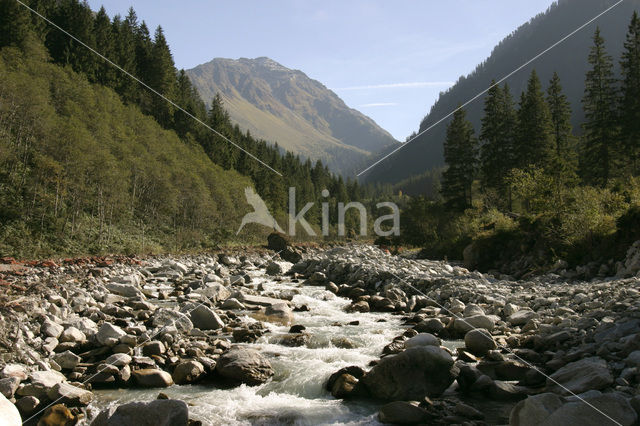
[(152, 378), (69, 395), (67, 360), (279, 313), (591, 409), (26, 405), (580, 376), (411, 375), (463, 325), (479, 341), (274, 268), (344, 386), (244, 366), (422, 339), (277, 241), (160, 412), (215, 292), (205, 319), (402, 412), (187, 372), (107, 333), (14, 370), (232, 303), (522, 316), (126, 290), (72, 334), (51, 329), (164, 317), (118, 360), (154, 347), (8, 386), (291, 254), (41, 381), (9, 415), (57, 415)]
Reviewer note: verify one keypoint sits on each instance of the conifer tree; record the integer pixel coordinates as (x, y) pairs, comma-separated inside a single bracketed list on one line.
[(460, 151), (162, 77), (14, 23), (534, 141), (599, 138), (497, 135), (630, 102), (564, 161), (105, 44)]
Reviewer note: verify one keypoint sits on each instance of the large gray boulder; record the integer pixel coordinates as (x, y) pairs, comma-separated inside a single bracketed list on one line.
[(205, 319), (463, 325), (411, 375), (187, 372), (161, 412), (479, 341), (244, 366), (580, 376), (591, 409)]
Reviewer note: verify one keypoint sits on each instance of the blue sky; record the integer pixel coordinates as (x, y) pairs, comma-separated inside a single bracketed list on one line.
[(388, 59)]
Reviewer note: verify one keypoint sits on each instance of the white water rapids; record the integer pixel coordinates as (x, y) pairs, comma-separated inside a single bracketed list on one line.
[(296, 394)]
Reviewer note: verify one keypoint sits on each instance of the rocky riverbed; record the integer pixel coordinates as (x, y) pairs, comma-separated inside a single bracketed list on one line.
[(345, 335)]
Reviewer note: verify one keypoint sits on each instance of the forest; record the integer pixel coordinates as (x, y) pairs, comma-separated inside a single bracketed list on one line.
[(526, 186), (93, 162)]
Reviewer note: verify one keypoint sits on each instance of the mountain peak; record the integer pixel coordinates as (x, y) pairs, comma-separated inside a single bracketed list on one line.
[(282, 105)]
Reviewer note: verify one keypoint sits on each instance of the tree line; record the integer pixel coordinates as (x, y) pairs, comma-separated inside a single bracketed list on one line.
[(536, 139), (129, 43)]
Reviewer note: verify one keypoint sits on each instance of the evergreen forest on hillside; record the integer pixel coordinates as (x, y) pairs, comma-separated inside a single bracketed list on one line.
[(92, 161), (527, 186)]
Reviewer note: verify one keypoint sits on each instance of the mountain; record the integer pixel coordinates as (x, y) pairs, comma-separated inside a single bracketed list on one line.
[(285, 106), (569, 59)]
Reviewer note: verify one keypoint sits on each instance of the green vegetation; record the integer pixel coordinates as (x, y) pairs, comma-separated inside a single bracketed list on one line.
[(93, 162), (541, 194)]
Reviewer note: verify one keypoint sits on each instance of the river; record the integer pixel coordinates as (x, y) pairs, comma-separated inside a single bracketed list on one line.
[(295, 395)]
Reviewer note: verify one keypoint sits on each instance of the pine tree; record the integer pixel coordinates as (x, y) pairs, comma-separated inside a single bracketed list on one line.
[(534, 141), (564, 159), (105, 44), (497, 135), (630, 102), (460, 151), (599, 138), (14, 23), (162, 77)]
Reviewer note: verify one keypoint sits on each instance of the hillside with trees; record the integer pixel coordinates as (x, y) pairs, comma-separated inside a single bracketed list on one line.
[(95, 162), (534, 191), (566, 59)]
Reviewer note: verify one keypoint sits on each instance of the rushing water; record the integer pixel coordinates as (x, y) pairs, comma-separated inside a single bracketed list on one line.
[(296, 394)]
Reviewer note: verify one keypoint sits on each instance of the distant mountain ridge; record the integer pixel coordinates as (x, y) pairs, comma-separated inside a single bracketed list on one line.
[(285, 106), (569, 59)]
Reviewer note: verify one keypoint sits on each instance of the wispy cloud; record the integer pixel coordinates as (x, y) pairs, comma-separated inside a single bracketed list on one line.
[(378, 104), (415, 84)]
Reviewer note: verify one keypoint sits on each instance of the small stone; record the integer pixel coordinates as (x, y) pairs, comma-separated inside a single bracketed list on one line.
[(51, 329), (187, 372), (73, 335), (67, 360), (152, 378), (479, 342)]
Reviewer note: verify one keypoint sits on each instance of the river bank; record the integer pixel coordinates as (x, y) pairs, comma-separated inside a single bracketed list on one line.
[(247, 338)]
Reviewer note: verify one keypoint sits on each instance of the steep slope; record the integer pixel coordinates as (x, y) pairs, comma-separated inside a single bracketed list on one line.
[(285, 106), (80, 172), (569, 59)]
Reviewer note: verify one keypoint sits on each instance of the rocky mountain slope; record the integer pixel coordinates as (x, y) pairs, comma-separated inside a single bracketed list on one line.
[(285, 106)]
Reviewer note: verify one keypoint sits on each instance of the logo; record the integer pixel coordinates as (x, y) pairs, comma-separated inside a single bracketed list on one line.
[(261, 215)]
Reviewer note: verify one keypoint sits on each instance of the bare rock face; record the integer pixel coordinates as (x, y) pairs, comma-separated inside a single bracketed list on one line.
[(411, 375), (244, 366)]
